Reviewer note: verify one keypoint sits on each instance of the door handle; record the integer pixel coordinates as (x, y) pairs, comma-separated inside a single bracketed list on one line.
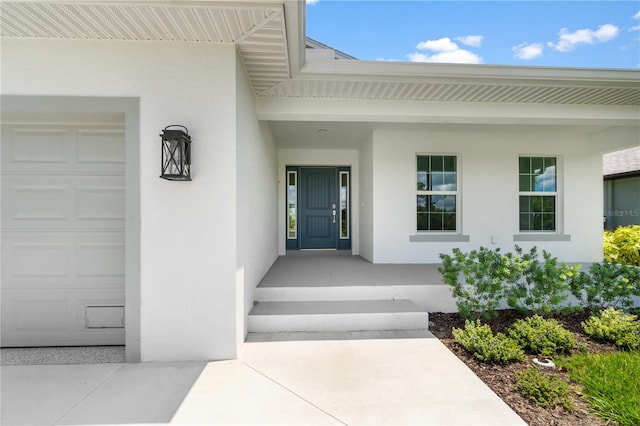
[(334, 216)]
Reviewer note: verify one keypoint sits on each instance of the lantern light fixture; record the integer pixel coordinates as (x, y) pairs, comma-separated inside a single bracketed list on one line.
[(176, 153)]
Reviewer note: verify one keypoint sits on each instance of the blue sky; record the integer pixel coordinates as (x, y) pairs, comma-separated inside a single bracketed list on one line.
[(593, 34)]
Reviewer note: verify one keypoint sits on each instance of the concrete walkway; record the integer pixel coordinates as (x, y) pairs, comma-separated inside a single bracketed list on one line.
[(381, 378), (354, 378)]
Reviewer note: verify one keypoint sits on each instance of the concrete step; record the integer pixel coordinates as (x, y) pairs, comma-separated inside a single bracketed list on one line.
[(431, 298), (340, 315)]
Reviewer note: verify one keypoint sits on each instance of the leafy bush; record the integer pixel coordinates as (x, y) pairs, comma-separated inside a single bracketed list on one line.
[(542, 336), (477, 280), (607, 285), (544, 284), (547, 390), (480, 340), (615, 326), (623, 245)]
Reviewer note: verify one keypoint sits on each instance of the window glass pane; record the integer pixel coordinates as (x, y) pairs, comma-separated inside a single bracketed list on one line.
[(423, 181), (422, 203), (525, 183), (437, 163), (549, 177), (292, 194), (537, 165), (437, 182), (450, 182), (449, 163), (344, 205), (443, 203), (423, 221), (423, 163), (435, 221), (525, 165), (548, 222), (524, 222), (449, 223)]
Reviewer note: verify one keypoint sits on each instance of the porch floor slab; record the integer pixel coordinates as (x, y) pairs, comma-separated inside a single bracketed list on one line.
[(337, 270), (397, 379)]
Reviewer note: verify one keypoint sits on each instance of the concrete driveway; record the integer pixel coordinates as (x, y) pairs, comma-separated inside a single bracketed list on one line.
[(392, 378)]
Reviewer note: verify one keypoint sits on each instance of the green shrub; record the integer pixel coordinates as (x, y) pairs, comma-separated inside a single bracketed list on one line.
[(547, 390), (478, 280), (615, 326), (480, 340), (544, 284), (623, 245), (607, 285), (542, 336)]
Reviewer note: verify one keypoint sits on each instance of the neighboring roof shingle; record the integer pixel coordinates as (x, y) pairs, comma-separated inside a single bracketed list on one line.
[(315, 44), (621, 162)]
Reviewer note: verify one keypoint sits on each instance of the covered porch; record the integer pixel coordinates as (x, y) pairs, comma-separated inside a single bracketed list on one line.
[(335, 291)]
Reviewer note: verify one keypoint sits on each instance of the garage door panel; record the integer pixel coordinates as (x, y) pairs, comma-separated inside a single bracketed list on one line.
[(63, 239), (100, 260), (64, 260), (37, 259), (36, 201), (60, 203), (61, 318), (89, 149), (37, 145), (100, 146), (100, 202)]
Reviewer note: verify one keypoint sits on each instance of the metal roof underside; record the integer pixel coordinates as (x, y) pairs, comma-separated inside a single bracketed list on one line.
[(260, 33), (456, 92)]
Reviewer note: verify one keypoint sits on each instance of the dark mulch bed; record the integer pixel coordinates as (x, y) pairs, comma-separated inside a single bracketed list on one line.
[(502, 380)]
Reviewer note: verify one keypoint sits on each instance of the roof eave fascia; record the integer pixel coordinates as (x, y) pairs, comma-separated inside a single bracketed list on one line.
[(295, 18), (411, 71)]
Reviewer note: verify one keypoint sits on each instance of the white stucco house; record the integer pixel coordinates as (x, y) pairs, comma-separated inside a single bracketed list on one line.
[(291, 149)]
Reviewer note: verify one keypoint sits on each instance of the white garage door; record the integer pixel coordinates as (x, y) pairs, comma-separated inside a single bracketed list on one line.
[(62, 229)]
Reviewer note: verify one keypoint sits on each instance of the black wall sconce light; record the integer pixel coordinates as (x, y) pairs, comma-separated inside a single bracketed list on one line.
[(176, 153)]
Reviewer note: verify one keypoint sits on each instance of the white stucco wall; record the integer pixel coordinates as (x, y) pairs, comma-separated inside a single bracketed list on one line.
[(489, 190), (366, 199), (187, 229), (319, 157), (257, 195)]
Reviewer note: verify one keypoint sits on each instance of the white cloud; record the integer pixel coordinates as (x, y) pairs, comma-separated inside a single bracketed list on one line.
[(459, 56), (441, 45), (528, 51), (471, 40), (312, 2), (636, 28), (567, 41), (637, 15), (443, 51)]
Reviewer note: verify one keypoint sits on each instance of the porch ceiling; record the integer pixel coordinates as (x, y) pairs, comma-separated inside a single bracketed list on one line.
[(257, 28)]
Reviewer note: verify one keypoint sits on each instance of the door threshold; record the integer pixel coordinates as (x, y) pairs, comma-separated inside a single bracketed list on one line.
[(318, 252)]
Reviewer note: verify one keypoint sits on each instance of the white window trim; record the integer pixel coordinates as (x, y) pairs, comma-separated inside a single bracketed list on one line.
[(542, 235), (439, 236)]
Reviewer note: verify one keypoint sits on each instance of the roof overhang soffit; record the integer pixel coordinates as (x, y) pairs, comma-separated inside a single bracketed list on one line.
[(256, 27), (384, 111)]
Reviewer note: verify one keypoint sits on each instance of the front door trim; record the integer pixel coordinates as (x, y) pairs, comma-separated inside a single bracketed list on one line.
[(321, 220)]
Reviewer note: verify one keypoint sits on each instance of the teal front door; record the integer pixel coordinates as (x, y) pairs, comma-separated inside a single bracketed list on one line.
[(318, 208)]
